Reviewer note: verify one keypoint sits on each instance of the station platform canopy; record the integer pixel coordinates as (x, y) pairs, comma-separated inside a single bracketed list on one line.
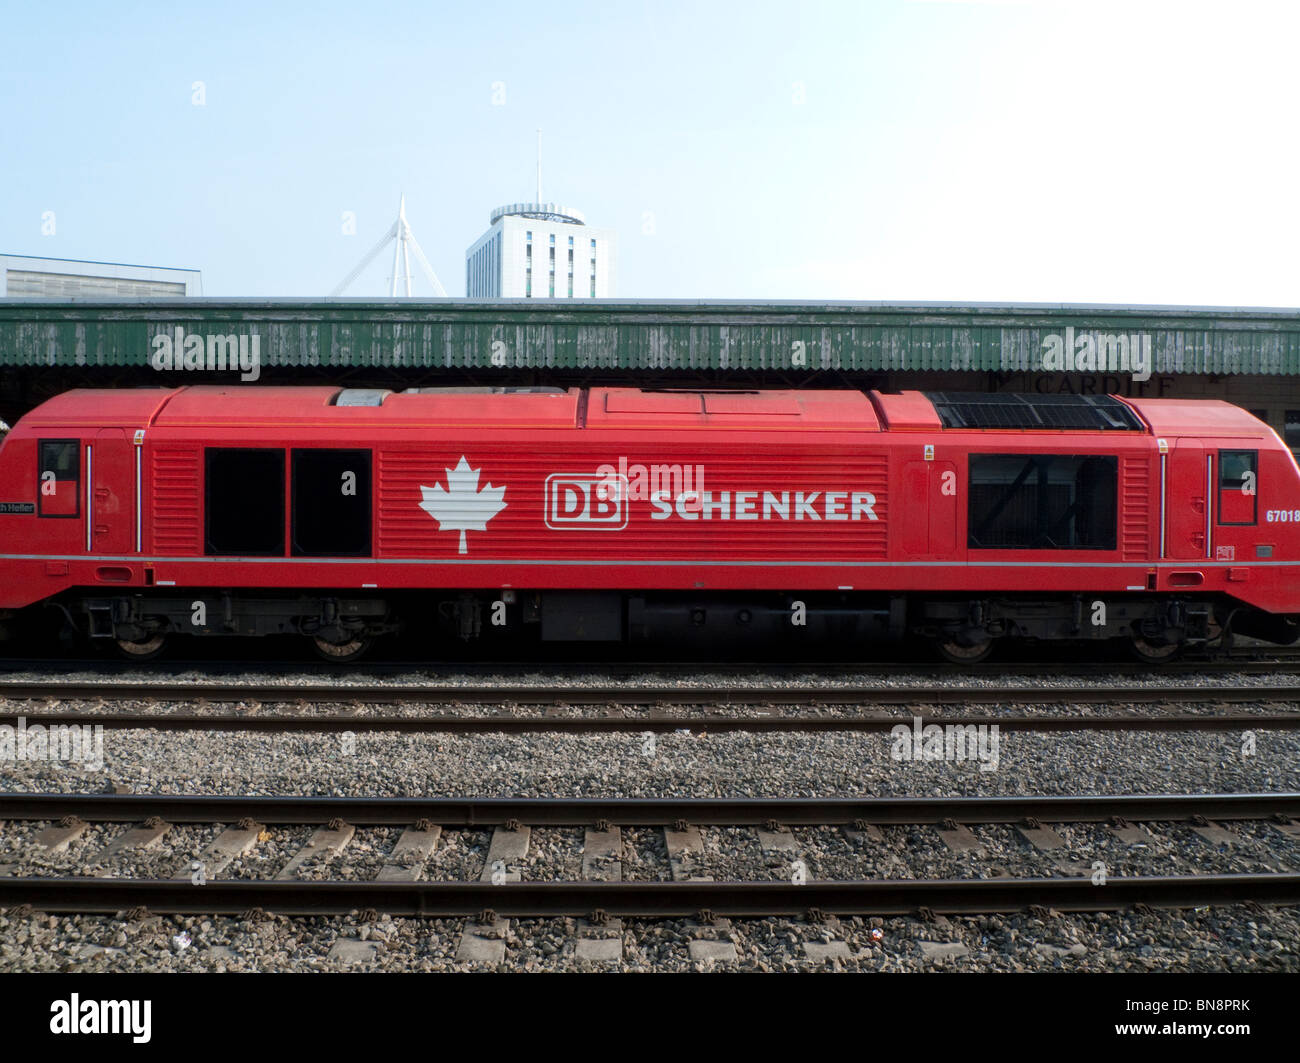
[(654, 336)]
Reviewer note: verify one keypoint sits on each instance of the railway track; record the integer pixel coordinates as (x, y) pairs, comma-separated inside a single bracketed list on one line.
[(399, 889), (651, 811), (1267, 663), (651, 696), (642, 709), (277, 722), (488, 902)]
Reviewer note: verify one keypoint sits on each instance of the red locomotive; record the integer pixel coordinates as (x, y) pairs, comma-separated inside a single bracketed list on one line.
[(618, 513)]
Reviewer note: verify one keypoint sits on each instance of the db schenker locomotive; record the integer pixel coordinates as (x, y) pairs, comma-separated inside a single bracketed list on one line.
[(605, 514)]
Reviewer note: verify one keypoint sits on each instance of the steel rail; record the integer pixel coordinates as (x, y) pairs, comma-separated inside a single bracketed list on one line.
[(610, 724), (657, 899), (452, 812), (639, 695), (1260, 663)]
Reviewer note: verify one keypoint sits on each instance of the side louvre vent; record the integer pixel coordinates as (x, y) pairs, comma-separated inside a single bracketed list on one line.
[(405, 530), (176, 502), (1135, 504)]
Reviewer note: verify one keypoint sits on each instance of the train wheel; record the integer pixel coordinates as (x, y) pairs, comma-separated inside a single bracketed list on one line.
[(955, 653), (140, 651), (340, 652), (1152, 652)]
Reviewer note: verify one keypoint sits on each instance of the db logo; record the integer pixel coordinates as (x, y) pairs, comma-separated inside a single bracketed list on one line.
[(596, 503)]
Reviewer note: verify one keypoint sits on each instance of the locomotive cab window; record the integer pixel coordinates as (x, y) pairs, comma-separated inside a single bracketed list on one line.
[(1238, 486), (244, 502), (1042, 502), (58, 478), (331, 503)]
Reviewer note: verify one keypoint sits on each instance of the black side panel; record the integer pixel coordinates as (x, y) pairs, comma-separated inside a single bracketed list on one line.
[(331, 503), (243, 502), (582, 616)]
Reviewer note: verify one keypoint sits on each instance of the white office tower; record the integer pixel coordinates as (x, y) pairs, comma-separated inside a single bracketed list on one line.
[(540, 251)]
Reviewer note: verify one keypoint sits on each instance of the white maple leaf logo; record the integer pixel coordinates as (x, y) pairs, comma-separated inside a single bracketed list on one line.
[(461, 506)]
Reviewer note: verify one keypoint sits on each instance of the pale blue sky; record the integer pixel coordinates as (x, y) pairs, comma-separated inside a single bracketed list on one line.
[(1043, 151)]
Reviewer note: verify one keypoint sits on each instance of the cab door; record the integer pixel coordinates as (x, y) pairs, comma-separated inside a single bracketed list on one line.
[(112, 493), (1187, 523)]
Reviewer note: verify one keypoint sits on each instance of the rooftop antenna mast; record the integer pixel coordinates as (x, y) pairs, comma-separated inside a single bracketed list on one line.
[(404, 242), (539, 166)]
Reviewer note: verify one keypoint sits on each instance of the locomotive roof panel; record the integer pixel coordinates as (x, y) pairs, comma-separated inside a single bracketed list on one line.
[(614, 408), (1191, 417), (266, 406), (125, 407), (521, 408), (906, 411), (679, 408), (237, 405)]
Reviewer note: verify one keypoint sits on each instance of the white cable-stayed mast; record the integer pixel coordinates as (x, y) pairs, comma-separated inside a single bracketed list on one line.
[(404, 242)]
